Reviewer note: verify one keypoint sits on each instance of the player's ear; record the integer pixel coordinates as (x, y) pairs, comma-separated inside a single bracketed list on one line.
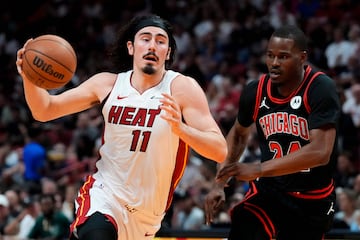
[(168, 54), (130, 48), (303, 56)]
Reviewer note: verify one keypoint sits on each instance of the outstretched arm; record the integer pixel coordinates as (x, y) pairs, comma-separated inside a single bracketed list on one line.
[(45, 107)]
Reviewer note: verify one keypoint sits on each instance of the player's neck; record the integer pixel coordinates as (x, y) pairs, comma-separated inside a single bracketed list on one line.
[(286, 89), (142, 82)]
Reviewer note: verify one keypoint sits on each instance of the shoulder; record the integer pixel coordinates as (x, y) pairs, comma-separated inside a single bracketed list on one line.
[(250, 89), (323, 93), (187, 91), (100, 84), (103, 78), (252, 84), (182, 81), (180, 77), (323, 81)]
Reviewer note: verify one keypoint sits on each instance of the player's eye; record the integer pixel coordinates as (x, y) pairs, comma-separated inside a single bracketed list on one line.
[(269, 55)]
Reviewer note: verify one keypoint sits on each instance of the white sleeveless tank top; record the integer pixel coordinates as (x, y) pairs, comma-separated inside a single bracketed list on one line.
[(141, 160)]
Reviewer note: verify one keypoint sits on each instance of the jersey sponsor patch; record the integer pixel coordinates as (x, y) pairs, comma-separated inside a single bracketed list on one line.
[(295, 102)]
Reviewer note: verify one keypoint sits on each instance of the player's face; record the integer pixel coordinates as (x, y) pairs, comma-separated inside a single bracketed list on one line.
[(284, 61), (150, 49)]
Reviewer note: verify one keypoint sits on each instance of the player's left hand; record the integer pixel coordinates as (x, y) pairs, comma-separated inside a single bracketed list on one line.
[(172, 113), (241, 171)]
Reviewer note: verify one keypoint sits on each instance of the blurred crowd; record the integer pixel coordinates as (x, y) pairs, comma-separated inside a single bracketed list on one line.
[(221, 44)]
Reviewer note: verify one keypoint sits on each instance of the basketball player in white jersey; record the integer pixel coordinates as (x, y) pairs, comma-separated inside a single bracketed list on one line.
[(152, 115)]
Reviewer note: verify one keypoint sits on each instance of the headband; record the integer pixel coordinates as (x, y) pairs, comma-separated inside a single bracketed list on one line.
[(151, 22)]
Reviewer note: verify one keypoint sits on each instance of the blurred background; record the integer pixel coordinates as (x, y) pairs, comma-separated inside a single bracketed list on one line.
[(220, 43)]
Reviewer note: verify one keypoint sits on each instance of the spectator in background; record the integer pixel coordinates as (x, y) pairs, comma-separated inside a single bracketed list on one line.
[(348, 137), (356, 185), (252, 152), (68, 205), (226, 106), (338, 52), (351, 105), (345, 171), (351, 116), (183, 38), (347, 213), (20, 226), (51, 224), (34, 156), (354, 60), (5, 216), (15, 204), (12, 171), (187, 214), (84, 136), (280, 14)]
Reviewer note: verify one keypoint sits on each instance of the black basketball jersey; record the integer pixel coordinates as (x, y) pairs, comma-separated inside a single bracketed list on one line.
[(284, 124)]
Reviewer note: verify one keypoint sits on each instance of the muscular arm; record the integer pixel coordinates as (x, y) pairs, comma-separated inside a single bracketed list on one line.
[(46, 107), (236, 140), (316, 153), (200, 131)]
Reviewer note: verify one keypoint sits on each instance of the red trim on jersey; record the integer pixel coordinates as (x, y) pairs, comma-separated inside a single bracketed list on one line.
[(288, 98), (180, 165), (315, 194), (263, 218), (258, 96), (84, 203), (306, 103)]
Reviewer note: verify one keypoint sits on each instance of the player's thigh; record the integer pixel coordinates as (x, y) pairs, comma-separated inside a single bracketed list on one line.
[(97, 226), (248, 225)]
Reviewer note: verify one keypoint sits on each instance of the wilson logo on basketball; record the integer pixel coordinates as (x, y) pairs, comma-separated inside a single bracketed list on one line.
[(47, 68)]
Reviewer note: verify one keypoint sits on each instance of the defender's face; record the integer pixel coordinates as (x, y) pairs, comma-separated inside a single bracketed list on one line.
[(150, 49), (284, 61)]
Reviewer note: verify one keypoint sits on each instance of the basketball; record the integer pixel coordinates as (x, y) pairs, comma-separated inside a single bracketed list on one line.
[(49, 61)]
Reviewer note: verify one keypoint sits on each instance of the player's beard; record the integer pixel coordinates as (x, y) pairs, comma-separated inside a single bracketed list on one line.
[(148, 69)]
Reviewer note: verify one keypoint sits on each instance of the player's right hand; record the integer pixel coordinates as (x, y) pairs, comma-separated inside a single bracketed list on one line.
[(214, 200)]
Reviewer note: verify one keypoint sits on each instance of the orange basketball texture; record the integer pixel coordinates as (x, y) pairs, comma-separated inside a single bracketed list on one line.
[(49, 61)]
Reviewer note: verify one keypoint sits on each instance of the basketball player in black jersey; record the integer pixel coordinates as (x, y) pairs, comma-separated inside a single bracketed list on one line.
[(295, 110)]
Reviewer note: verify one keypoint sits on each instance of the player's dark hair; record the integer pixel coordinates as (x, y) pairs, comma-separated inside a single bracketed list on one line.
[(295, 33), (121, 58)]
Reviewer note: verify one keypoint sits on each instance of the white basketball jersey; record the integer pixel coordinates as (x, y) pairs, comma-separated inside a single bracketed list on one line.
[(141, 159)]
